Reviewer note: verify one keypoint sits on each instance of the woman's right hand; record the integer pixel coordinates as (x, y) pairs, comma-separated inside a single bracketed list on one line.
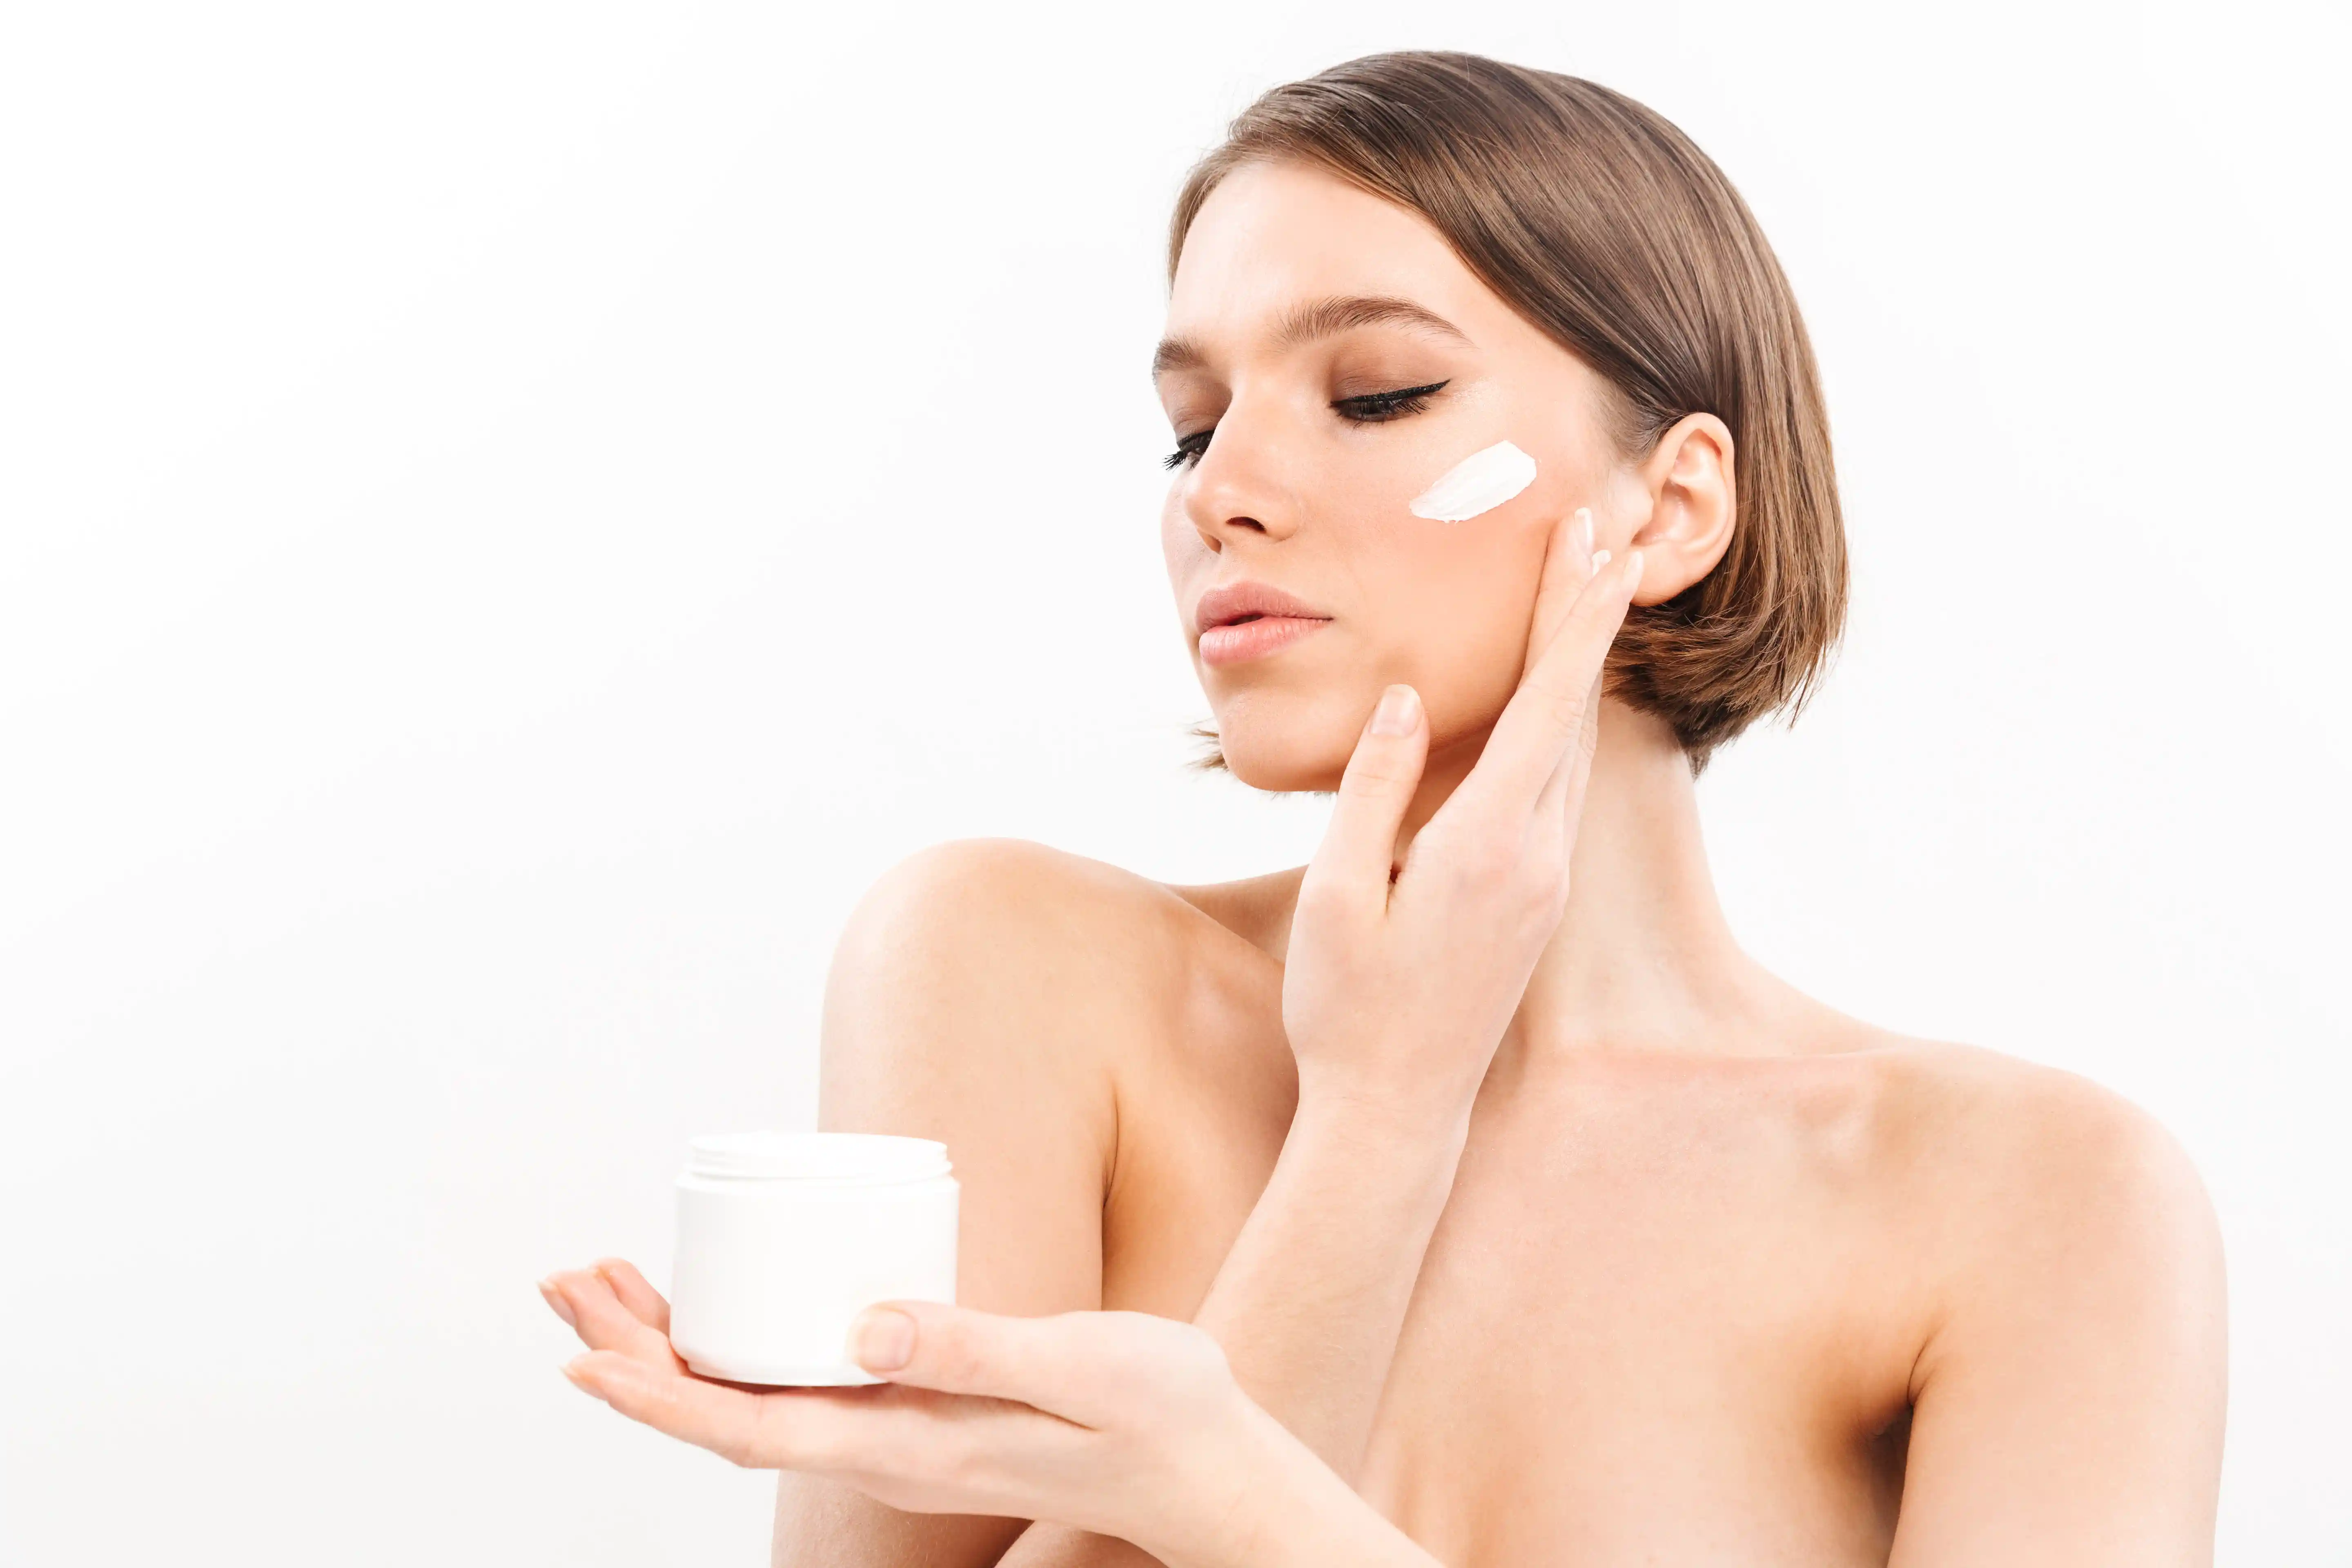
[(1119, 1423), (1396, 994)]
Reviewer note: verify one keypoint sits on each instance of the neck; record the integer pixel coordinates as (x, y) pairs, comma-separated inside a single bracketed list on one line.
[(1643, 958)]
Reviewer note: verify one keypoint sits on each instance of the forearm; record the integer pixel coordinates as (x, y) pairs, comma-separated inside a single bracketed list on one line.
[(1319, 1522), (1308, 1304), (1259, 1499), (1313, 1293), (1318, 1527), (1292, 1511)]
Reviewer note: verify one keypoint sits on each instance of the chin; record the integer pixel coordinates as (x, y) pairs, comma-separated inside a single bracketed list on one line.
[(1285, 745)]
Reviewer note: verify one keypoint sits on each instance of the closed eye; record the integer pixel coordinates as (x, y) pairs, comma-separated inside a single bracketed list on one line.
[(1365, 408), (1190, 447), (1371, 407)]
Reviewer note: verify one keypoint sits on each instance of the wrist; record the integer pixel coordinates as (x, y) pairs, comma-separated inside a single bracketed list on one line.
[(1291, 1510), (1434, 1120), (1232, 1490), (1264, 1478)]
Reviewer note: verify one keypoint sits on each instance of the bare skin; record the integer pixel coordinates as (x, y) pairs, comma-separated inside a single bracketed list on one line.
[(1670, 1263), (1122, 1421), (1133, 1425)]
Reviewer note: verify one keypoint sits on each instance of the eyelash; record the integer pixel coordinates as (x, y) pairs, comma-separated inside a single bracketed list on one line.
[(1371, 408)]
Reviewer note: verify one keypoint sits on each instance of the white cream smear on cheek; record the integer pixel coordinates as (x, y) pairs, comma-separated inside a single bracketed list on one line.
[(1479, 482)]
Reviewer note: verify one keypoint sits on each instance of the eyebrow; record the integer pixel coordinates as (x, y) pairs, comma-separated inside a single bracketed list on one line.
[(1318, 319)]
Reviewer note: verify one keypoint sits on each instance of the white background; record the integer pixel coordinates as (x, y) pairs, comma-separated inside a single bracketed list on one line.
[(510, 517)]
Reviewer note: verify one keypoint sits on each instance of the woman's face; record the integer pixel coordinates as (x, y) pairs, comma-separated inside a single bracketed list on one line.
[(1300, 307)]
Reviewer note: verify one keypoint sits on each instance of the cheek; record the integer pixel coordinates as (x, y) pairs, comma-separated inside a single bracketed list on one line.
[(1180, 544), (1454, 603), (1477, 605)]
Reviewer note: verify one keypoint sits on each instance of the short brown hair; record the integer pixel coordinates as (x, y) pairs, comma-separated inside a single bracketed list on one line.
[(1606, 228)]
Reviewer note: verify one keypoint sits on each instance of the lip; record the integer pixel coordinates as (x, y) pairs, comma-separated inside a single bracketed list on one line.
[(1250, 620)]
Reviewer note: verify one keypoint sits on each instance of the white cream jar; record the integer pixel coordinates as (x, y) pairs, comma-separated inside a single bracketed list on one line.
[(785, 1237)]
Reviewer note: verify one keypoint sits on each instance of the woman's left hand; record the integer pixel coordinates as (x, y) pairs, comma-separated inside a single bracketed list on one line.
[(1119, 1423)]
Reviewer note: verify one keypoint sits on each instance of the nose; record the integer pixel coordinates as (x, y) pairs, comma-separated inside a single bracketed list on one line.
[(1237, 489)]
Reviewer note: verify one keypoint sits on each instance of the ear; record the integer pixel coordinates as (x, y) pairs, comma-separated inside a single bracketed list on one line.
[(1689, 481)]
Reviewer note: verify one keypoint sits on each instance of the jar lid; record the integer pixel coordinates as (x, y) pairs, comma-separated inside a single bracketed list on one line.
[(816, 1156)]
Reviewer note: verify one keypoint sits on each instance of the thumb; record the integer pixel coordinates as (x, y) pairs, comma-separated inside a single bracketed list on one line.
[(956, 1350), (1096, 1369), (1358, 848)]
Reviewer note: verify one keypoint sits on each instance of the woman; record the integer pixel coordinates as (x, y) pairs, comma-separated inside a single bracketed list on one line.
[(1551, 1224)]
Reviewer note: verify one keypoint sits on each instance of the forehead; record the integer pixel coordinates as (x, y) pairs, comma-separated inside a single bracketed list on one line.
[(1272, 235)]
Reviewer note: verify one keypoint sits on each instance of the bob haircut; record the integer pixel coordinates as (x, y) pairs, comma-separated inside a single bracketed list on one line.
[(1608, 230)]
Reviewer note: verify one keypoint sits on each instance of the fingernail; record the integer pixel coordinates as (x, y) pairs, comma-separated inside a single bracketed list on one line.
[(578, 1379), (555, 1299), (1398, 711), (1600, 559), (882, 1339), (1582, 536), (1633, 571)]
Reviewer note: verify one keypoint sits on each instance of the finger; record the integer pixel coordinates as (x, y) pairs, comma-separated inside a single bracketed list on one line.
[(1353, 860), (603, 1323), (1566, 567), (1092, 1368), (957, 1349), (911, 1448), (1568, 564), (557, 1304), (1057, 1364), (728, 1422), (1562, 801), (1546, 717), (635, 1292)]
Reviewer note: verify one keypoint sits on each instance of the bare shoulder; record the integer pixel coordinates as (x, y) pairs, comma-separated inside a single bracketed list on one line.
[(994, 892), (2060, 1212), (1005, 925), (1065, 952), (2047, 1150), (2069, 1372), (989, 993), (1994, 1157)]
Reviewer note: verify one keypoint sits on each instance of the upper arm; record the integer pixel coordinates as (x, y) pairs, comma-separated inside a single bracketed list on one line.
[(969, 1001), (970, 998), (2068, 1406)]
